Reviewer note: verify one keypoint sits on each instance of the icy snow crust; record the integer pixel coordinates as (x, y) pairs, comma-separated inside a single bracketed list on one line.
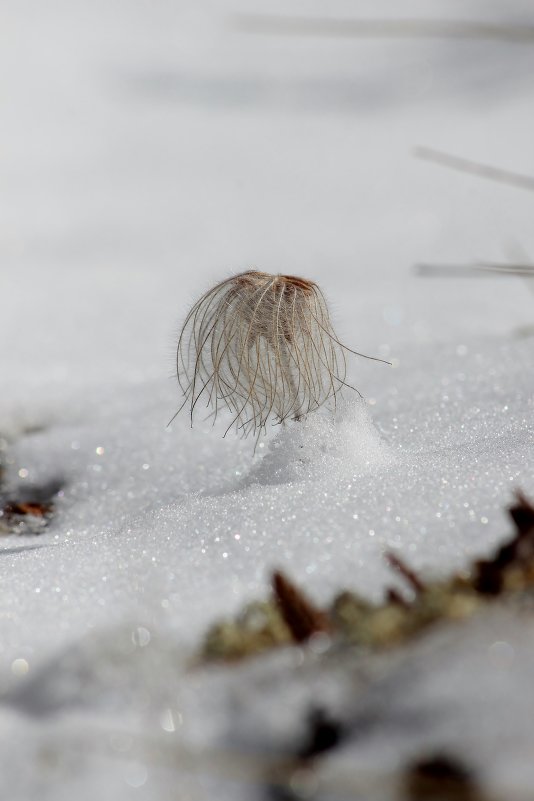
[(165, 158)]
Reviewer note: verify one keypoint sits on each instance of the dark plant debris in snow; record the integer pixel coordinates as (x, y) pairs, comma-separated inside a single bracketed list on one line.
[(290, 617), (439, 777), (27, 509)]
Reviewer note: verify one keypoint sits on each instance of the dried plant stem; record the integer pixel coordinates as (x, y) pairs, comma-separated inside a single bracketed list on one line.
[(411, 577), (476, 270), (302, 618), (476, 168), (355, 28)]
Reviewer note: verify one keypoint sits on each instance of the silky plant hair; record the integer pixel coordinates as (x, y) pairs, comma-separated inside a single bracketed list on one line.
[(261, 346)]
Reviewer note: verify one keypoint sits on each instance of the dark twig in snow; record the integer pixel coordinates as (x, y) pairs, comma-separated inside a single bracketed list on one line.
[(413, 580), (302, 618)]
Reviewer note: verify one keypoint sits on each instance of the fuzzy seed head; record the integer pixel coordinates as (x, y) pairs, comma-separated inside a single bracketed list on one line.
[(262, 347)]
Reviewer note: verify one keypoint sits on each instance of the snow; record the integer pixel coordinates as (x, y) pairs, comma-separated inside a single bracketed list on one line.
[(146, 152)]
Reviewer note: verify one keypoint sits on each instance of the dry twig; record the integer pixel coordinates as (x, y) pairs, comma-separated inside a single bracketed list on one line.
[(302, 618)]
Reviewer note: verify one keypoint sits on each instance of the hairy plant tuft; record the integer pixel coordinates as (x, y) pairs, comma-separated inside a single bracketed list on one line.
[(261, 346)]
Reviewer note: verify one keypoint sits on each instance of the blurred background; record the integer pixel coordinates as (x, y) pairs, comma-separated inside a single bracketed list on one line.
[(150, 148), (147, 149)]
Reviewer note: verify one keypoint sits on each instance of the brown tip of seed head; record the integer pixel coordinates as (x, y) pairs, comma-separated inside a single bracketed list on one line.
[(300, 283), (248, 279), (253, 278)]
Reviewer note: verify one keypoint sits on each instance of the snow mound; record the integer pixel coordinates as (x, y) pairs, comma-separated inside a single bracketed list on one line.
[(345, 442)]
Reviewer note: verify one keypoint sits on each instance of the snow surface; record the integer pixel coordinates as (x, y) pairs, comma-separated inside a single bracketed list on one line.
[(148, 150)]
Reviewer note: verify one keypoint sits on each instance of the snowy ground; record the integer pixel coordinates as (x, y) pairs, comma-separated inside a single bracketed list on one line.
[(147, 150)]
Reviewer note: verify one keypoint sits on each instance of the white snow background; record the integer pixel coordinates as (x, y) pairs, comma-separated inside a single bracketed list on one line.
[(148, 150)]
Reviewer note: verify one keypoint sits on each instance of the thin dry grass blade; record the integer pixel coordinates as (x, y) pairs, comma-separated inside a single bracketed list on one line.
[(476, 270), (354, 28), (476, 168)]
